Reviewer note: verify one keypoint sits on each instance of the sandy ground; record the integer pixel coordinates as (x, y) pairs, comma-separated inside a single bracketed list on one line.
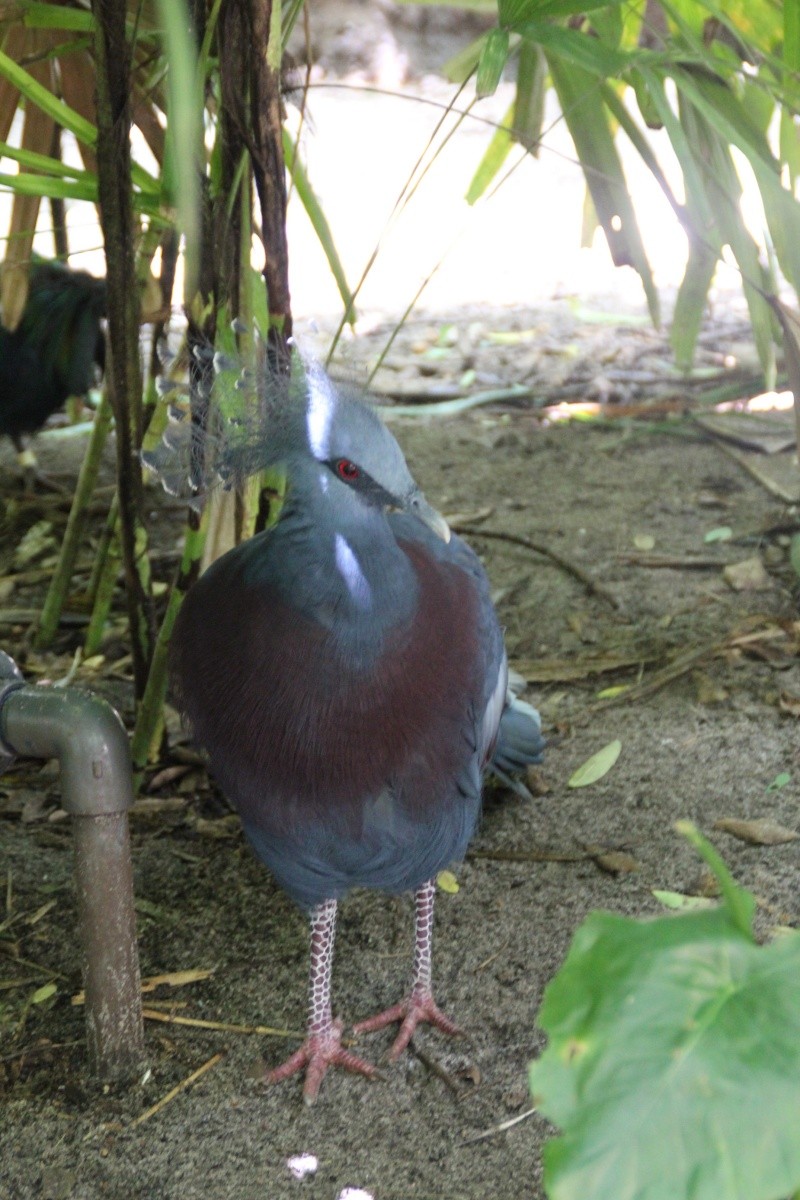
[(706, 746)]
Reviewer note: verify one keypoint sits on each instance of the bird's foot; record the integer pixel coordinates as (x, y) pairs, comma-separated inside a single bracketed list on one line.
[(420, 1006), (318, 1052)]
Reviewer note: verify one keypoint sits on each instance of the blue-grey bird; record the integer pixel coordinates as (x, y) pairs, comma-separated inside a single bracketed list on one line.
[(345, 671)]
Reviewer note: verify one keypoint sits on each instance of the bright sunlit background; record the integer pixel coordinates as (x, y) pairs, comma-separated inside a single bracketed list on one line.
[(518, 246)]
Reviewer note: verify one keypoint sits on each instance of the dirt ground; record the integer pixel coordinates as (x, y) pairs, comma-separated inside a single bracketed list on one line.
[(708, 731)]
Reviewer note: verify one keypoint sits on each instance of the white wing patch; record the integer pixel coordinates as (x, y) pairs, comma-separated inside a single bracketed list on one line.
[(350, 570), (494, 711), (319, 414)]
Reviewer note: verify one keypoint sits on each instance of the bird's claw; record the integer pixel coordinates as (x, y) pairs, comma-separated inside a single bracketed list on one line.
[(418, 1008), (318, 1052)]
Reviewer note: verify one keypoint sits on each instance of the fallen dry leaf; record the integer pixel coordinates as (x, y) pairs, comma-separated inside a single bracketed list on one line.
[(760, 832), (614, 862), (170, 979), (708, 691), (221, 828)]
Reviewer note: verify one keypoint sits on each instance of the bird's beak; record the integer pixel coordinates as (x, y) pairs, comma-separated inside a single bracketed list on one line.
[(418, 507)]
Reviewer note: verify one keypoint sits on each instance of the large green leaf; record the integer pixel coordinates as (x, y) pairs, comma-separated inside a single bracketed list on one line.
[(673, 1063), (514, 12), (573, 46), (529, 98), (579, 95), (491, 63), (723, 189)]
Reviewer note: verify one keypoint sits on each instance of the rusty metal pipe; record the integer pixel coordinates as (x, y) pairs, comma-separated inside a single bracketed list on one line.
[(88, 738)]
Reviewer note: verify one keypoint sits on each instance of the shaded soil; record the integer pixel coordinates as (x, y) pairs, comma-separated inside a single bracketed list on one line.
[(706, 745)]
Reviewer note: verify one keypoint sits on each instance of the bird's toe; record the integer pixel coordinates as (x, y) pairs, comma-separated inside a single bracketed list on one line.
[(418, 1009), (319, 1051)]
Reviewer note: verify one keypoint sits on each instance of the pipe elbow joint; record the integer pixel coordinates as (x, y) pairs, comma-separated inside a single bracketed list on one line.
[(84, 733)]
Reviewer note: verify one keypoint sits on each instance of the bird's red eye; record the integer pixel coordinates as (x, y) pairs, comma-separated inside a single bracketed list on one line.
[(346, 470)]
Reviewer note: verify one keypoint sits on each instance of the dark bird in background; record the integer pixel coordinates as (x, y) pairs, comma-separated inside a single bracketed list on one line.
[(54, 351), (345, 670)]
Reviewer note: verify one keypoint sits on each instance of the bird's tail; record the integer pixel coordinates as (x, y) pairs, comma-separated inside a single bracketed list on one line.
[(519, 738)]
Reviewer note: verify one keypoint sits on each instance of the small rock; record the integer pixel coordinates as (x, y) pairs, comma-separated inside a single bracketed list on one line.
[(748, 576)]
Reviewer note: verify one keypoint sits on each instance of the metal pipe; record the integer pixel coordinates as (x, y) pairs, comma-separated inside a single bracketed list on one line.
[(88, 738)]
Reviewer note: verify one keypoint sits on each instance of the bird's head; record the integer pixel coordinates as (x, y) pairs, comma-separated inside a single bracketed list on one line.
[(286, 422), (350, 441)]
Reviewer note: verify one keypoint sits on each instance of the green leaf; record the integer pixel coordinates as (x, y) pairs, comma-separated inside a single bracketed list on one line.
[(27, 184), (64, 116), (588, 123), (493, 158), (463, 63), (780, 781), (447, 882), (38, 94), (739, 903), (722, 533), (56, 16), (794, 553), (673, 1063), (597, 766), (43, 162), (578, 49), (791, 49), (44, 993), (690, 304), (790, 144), (526, 126), (514, 12), (491, 64)]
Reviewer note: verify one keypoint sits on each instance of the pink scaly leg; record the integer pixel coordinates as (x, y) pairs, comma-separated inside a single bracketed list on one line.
[(322, 1047), (420, 1005)]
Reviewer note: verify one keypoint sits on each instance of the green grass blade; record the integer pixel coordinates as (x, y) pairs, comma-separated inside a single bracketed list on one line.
[(64, 116), (56, 16), (493, 158), (184, 129)]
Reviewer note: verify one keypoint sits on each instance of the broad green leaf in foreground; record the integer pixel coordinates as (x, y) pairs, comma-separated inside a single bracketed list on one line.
[(673, 1064)]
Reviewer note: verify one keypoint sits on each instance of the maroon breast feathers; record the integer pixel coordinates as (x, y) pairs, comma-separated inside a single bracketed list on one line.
[(283, 713)]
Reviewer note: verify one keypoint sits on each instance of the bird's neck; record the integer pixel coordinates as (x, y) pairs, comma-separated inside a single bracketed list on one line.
[(340, 561)]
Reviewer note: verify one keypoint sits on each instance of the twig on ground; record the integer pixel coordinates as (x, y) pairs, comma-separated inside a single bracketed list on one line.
[(150, 1014), (769, 485), (437, 1069), (176, 1091), (592, 585), (501, 1128)]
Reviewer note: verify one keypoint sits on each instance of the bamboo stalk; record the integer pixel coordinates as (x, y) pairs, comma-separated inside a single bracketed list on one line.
[(149, 719), (71, 543), (113, 72)]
